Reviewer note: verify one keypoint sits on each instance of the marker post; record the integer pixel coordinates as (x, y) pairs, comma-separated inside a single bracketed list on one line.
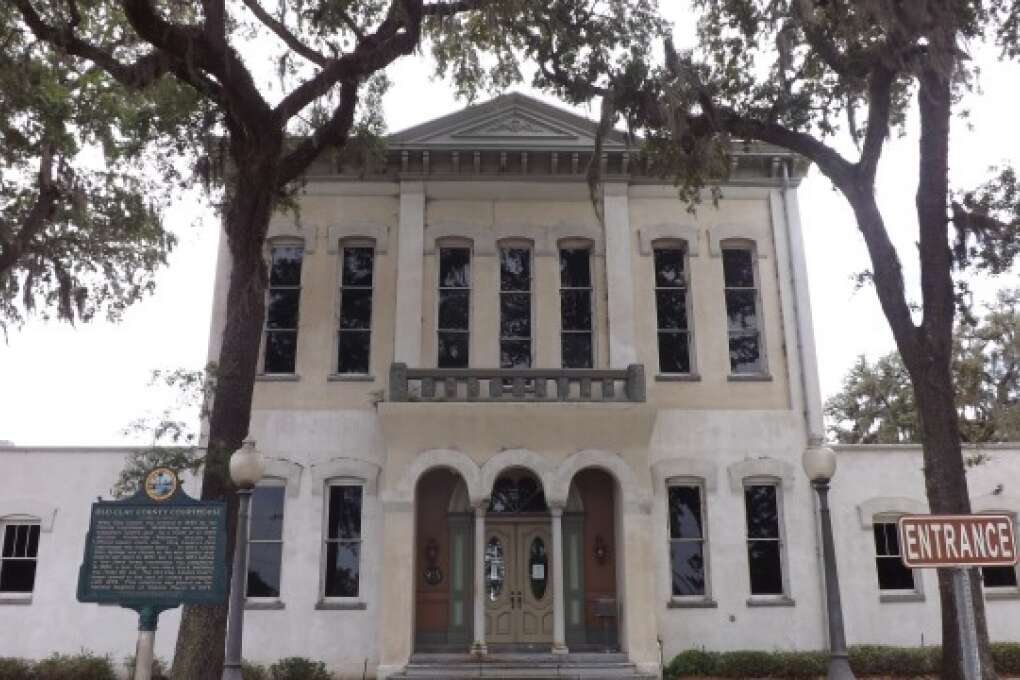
[(971, 656)]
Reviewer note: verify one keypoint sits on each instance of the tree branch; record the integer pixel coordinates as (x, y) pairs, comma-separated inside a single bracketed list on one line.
[(447, 9), (284, 33), (38, 217), (332, 133), (879, 105)]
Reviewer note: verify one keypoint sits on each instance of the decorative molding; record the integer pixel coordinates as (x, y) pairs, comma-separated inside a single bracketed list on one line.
[(665, 470), (514, 124), (345, 467), (482, 242), (996, 503), (558, 233), (308, 234), (537, 235), (888, 505), (376, 231), (524, 458), (635, 498), (746, 232), (690, 234), (760, 467), (290, 471), (439, 458), (29, 509)]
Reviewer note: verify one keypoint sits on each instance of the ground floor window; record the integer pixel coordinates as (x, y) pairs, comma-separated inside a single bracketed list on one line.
[(265, 541), (764, 539), (343, 541), (687, 540), (892, 574), (19, 556)]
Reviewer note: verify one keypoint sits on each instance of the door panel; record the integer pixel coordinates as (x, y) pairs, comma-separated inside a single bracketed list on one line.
[(500, 558), (535, 593)]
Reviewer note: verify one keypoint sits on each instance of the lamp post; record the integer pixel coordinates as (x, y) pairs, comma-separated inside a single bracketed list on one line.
[(246, 469), (820, 466)]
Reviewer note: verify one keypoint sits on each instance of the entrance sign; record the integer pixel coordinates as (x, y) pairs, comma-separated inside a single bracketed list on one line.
[(155, 551), (959, 542), (928, 541)]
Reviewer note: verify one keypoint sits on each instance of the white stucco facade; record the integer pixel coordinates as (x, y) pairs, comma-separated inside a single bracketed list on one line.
[(510, 173)]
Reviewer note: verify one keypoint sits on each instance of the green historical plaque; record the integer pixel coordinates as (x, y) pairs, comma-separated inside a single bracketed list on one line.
[(156, 550)]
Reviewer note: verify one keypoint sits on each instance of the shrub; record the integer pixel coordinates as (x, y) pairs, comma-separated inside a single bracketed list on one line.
[(1007, 657), (896, 661), (84, 666), (253, 671), (15, 669), (160, 670), (298, 668)]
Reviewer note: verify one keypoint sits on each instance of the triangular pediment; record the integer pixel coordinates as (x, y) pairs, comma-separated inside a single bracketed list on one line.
[(512, 121)]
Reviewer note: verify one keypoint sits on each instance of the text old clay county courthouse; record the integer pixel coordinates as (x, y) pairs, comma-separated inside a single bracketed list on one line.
[(497, 423)]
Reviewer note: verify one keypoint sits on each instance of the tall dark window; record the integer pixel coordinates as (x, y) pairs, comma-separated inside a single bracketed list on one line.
[(764, 558), (454, 324), (354, 337), (515, 308), (892, 574), (265, 541), (576, 327), (671, 310), (18, 557), (743, 319), (282, 309), (343, 541), (686, 540)]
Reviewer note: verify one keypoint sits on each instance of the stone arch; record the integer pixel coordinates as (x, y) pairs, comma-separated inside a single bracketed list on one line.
[(287, 470), (671, 231), (760, 467), (27, 508), (479, 237), (719, 234), (377, 232), (633, 496), (345, 467), (522, 458), (442, 458)]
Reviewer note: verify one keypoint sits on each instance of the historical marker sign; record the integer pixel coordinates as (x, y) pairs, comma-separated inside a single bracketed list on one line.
[(159, 548), (957, 540)]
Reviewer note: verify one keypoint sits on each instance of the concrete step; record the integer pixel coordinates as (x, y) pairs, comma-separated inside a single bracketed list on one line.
[(521, 667)]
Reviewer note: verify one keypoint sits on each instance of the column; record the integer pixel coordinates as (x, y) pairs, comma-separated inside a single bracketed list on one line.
[(410, 262), (478, 646), (559, 637), (619, 276)]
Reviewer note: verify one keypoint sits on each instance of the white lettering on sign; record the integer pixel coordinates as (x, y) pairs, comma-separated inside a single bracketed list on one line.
[(957, 540)]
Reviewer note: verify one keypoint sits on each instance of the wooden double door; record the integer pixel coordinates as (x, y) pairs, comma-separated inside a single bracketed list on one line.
[(518, 582)]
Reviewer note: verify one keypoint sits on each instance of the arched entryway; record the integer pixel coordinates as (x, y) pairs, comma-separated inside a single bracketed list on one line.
[(443, 571)]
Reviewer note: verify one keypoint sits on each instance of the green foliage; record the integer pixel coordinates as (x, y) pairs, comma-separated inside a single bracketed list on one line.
[(253, 671), (83, 666), (865, 660), (160, 669), (298, 668), (15, 669), (877, 406), (85, 171)]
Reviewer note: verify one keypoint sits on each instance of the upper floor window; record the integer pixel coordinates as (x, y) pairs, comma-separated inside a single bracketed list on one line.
[(515, 308), (742, 310), (343, 541), (687, 556), (282, 309), (576, 329), (265, 540), (764, 539), (671, 309), (354, 336), (454, 323), (19, 556), (893, 575)]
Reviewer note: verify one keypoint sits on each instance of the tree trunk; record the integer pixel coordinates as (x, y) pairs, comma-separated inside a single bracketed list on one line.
[(200, 639)]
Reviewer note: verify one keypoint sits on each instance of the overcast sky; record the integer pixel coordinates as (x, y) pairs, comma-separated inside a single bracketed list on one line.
[(81, 386)]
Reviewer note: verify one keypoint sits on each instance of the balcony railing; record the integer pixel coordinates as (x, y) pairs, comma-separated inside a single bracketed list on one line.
[(515, 385)]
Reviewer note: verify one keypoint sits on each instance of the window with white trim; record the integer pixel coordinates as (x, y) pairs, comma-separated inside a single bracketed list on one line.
[(671, 308), (283, 298), (515, 334), (1001, 579), (688, 558), (342, 572), (19, 556), (576, 318), (265, 540), (354, 333), (764, 538), (743, 310), (454, 320), (893, 576)]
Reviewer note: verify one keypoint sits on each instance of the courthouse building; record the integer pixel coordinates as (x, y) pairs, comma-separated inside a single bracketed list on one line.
[(500, 423)]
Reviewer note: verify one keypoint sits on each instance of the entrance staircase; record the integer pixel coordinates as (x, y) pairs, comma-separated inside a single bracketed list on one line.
[(521, 666)]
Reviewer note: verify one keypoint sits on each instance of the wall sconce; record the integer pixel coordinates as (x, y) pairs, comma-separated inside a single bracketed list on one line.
[(601, 549)]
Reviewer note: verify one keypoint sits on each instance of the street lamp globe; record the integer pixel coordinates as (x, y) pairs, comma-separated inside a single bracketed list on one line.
[(247, 465), (819, 463)]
